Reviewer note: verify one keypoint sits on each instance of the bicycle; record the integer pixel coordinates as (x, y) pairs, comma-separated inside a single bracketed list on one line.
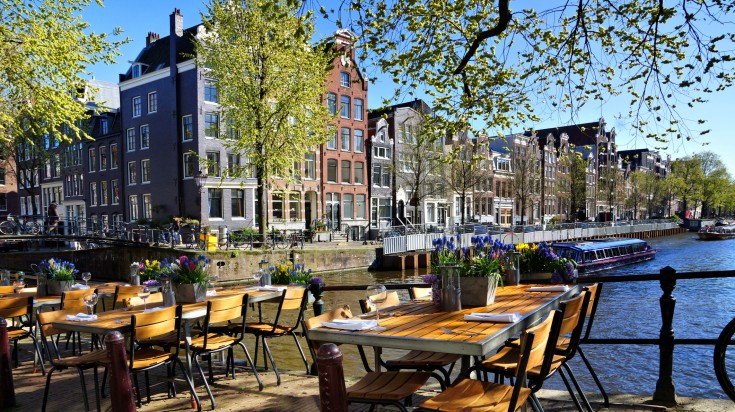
[(278, 240), (13, 226), (724, 359), (166, 236)]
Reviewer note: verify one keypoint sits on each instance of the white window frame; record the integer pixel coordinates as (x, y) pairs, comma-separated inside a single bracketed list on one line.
[(136, 106), (154, 97)]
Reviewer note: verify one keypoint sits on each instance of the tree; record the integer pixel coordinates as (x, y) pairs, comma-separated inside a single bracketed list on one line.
[(46, 51), (468, 169), (714, 179), (526, 175), (575, 184), (689, 178), (497, 66), (270, 80), (637, 192)]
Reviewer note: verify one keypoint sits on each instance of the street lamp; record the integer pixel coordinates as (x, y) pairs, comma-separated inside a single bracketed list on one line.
[(200, 178)]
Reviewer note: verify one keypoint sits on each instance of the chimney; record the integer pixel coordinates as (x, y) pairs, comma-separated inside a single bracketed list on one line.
[(151, 38), (177, 23)]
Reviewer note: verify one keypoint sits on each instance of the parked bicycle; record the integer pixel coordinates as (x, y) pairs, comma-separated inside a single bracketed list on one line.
[(13, 226), (724, 359)]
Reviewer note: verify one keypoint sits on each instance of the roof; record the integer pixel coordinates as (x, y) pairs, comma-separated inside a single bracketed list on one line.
[(598, 244), (416, 104), (584, 134), (156, 54)]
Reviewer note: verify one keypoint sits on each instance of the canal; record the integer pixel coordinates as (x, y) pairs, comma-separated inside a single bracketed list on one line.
[(626, 310)]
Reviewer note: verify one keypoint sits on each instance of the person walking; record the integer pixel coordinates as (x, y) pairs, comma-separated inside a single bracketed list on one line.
[(53, 218)]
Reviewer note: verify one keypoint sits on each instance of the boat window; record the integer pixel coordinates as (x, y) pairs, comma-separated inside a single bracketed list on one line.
[(629, 250), (608, 253), (589, 256)]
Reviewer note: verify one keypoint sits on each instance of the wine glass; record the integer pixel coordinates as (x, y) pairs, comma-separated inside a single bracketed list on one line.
[(18, 285), (90, 300), (376, 295), (143, 295), (257, 275), (85, 277)]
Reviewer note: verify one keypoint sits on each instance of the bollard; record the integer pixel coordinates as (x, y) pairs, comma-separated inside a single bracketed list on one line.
[(317, 289), (332, 391), (7, 391), (121, 391), (665, 393)]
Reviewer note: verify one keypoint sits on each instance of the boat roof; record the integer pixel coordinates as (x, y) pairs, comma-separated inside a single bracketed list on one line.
[(598, 243)]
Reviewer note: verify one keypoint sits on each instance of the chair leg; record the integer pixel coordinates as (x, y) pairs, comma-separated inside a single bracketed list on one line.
[(97, 391), (104, 381), (39, 352), (573, 378), (84, 389), (535, 403), (570, 390), (301, 351), (45, 390), (189, 381), (204, 378), (211, 371), (267, 351), (594, 377), (139, 403), (252, 365), (147, 387)]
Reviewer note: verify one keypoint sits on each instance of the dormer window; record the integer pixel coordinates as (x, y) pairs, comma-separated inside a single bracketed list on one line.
[(138, 69), (104, 129)]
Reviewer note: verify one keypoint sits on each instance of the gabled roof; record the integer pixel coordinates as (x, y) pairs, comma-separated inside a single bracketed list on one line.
[(416, 104), (584, 134), (156, 54)]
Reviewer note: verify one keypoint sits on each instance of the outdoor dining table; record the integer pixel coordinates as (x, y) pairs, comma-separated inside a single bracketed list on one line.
[(420, 325)]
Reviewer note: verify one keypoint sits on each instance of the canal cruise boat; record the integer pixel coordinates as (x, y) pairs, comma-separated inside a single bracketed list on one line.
[(717, 232), (600, 254)]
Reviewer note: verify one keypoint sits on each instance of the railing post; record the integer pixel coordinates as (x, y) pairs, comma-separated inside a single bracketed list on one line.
[(121, 391), (7, 391), (317, 289), (665, 393), (332, 391)]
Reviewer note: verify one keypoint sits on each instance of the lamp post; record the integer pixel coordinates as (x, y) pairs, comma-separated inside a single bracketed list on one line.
[(200, 179)]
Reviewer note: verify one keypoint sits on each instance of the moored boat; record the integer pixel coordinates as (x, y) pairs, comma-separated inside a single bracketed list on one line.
[(717, 232), (600, 254)]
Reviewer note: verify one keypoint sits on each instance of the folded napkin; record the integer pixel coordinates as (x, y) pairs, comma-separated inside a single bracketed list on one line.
[(351, 324), (493, 317), (212, 292), (557, 288), (79, 286), (272, 288), (81, 317), (251, 288)]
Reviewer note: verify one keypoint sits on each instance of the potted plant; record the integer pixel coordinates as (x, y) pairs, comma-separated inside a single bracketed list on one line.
[(482, 273), (59, 274), (290, 274), (190, 278)]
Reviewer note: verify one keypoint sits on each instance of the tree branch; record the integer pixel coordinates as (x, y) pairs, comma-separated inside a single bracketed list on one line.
[(504, 17)]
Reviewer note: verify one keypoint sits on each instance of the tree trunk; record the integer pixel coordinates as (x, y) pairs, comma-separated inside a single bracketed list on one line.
[(262, 196)]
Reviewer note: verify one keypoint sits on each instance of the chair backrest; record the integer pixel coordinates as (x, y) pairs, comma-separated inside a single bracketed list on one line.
[(147, 325), (226, 309), (153, 300), (594, 290), (419, 293), (390, 300), (574, 310), (74, 299), (542, 352), (292, 299), (45, 322), (311, 323), (124, 293), (14, 307), (7, 289)]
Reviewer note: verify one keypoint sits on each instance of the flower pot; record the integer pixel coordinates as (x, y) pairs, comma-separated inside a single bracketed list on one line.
[(479, 291), (189, 293), (58, 287)]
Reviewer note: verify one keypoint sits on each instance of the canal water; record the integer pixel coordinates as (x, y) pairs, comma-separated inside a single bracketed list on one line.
[(626, 310)]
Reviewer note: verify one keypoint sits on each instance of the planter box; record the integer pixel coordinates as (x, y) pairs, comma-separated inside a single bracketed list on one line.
[(478, 291), (189, 293), (55, 287)]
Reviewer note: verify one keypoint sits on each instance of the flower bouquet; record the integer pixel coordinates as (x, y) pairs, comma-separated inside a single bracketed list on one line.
[(59, 275), (190, 278), (290, 274)]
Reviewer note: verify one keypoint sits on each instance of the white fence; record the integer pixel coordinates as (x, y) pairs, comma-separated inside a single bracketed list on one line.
[(418, 242)]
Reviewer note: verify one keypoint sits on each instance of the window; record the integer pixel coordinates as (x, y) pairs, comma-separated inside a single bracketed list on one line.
[(386, 177), (92, 159), (344, 109), (136, 106), (332, 170), (430, 214), (145, 137), (345, 139), (133, 207), (359, 173), (93, 194), (381, 152), (104, 193), (233, 164), (213, 164), (132, 173), (344, 79), (277, 205), (232, 132), (332, 138), (147, 207), (380, 210), (113, 156), (346, 175), (376, 175), (187, 128), (3, 201), (332, 103), (359, 206), (211, 125), (115, 192), (152, 102), (310, 166), (347, 207), (104, 126), (294, 206), (359, 109), (131, 140), (210, 91), (145, 171), (190, 165), (2, 175), (237, 202), (296, 171), (103, 158), (359, 141), (215, 202)]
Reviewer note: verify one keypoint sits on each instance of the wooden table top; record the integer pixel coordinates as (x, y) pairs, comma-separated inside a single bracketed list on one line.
[(418, 325)]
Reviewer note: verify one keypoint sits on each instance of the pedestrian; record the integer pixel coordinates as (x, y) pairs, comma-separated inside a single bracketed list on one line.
[(176, 229), (53, 218)]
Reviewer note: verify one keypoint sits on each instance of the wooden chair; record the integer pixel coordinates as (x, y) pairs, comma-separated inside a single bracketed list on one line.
[(594, 290), (419, 293), (73, 300), (222, 310), (90, 360), (7, 290), (15, 308), (124, 293), (155, 299), (147, 325), (316, 321), (292, 299), (473, 395), (439, 364)]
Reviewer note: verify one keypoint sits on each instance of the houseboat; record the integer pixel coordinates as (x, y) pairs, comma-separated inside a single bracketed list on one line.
[(717, 232), (600, 254)]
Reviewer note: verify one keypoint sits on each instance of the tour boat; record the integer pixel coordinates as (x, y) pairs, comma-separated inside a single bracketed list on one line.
[(717, 232), (600, 254)]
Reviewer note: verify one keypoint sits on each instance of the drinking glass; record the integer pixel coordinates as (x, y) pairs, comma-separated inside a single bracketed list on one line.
[(143, 295), (90, 300), (376, 295), (18, 285), (257, 275), (85, 277)]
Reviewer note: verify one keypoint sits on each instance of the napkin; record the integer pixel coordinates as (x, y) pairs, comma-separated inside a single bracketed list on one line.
[(79, 286), (81, 317), (211, 293), (493, 317), (251, 288), (557, 288), (351, 324), (272, 288)]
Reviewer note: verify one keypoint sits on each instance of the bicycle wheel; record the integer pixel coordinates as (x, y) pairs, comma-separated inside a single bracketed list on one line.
[(33, 228), (724, 359), (7, 228)]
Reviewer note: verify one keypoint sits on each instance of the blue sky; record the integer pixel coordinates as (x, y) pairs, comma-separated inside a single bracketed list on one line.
[(138, 17)]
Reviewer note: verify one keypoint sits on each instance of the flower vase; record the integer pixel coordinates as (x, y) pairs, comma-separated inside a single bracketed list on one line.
[(451, 292), (57, 288), (190, 292), (436, 294)]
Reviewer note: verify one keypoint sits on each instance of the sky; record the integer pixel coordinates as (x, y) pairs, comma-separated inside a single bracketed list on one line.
[(137, 17)]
